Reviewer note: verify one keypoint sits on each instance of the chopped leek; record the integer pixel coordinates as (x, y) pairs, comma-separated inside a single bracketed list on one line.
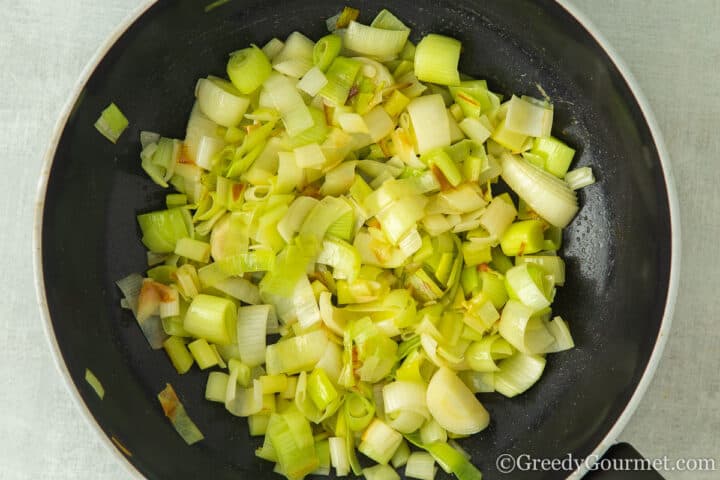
[(436, 60), (248, 69), (325, 51), (420, 465), (212, 318), (94, 383), (379, 442), (453, 405), (221, 101), (175, 411), (326, 194), (430, 122), (112, 123), (579, 178), (518, 373)]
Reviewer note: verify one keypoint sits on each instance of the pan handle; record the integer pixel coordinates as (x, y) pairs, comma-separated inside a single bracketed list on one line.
[(622, 454)]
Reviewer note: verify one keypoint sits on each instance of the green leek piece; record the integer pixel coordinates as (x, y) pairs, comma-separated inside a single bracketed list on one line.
[(243, 372), (397, 102), (343, 227), (469, 280), (359, 411), (178, 353), (500, 262), (474, 98), (557, 155), (380, 472), (248, 69), (212, 318), (216, 387), (296, 354), (579, 178), (379, 442), (523, 238), (436, 60), (317, 133), (291, 437), (258, 423), (176, 413), (175, 200), (321, 390), (475, 253), (553, 238), (203, 354), (273, 383), (162, 273), (386, 20), (162, 229), (112, 123), (513, 141), (213, 5), (493, 288), (343, 257), (443, 166), (325, 51), (193, 249), (341, 76), (451, 460), (375, 42), (94, 383)]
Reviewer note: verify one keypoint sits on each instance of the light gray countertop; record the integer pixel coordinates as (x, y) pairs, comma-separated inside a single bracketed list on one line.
[(673, 49)]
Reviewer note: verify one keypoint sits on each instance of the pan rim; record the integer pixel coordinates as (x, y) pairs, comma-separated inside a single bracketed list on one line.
[(634, 88), (675, 238)]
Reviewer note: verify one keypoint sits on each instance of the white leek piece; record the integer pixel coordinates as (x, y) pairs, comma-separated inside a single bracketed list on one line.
[(296, 57), (420, 465), (287, 100), (525, 331), (429, 122), (547, 195), (251, 332), (518, 373), (579, 178), (558, 328), (375, 42), (379, 442), (528, 116), (220, 101), (453, 405), (312, 82)]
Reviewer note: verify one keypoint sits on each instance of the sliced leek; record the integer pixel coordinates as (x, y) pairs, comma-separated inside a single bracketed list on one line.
[(341, 195)]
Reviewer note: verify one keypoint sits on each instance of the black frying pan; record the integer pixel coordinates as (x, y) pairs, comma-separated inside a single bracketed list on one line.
[(619, 249)]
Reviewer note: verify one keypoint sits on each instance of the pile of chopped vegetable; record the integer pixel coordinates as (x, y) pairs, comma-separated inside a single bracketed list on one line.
[(339, 194)]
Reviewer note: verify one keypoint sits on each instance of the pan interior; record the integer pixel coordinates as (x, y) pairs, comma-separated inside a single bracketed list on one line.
[(617, 249)]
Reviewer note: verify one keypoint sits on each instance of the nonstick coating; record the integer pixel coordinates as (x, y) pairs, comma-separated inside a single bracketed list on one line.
[(617, 249)]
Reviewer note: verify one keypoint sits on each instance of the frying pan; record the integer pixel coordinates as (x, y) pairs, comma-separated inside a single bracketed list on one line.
[(621, 250)]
